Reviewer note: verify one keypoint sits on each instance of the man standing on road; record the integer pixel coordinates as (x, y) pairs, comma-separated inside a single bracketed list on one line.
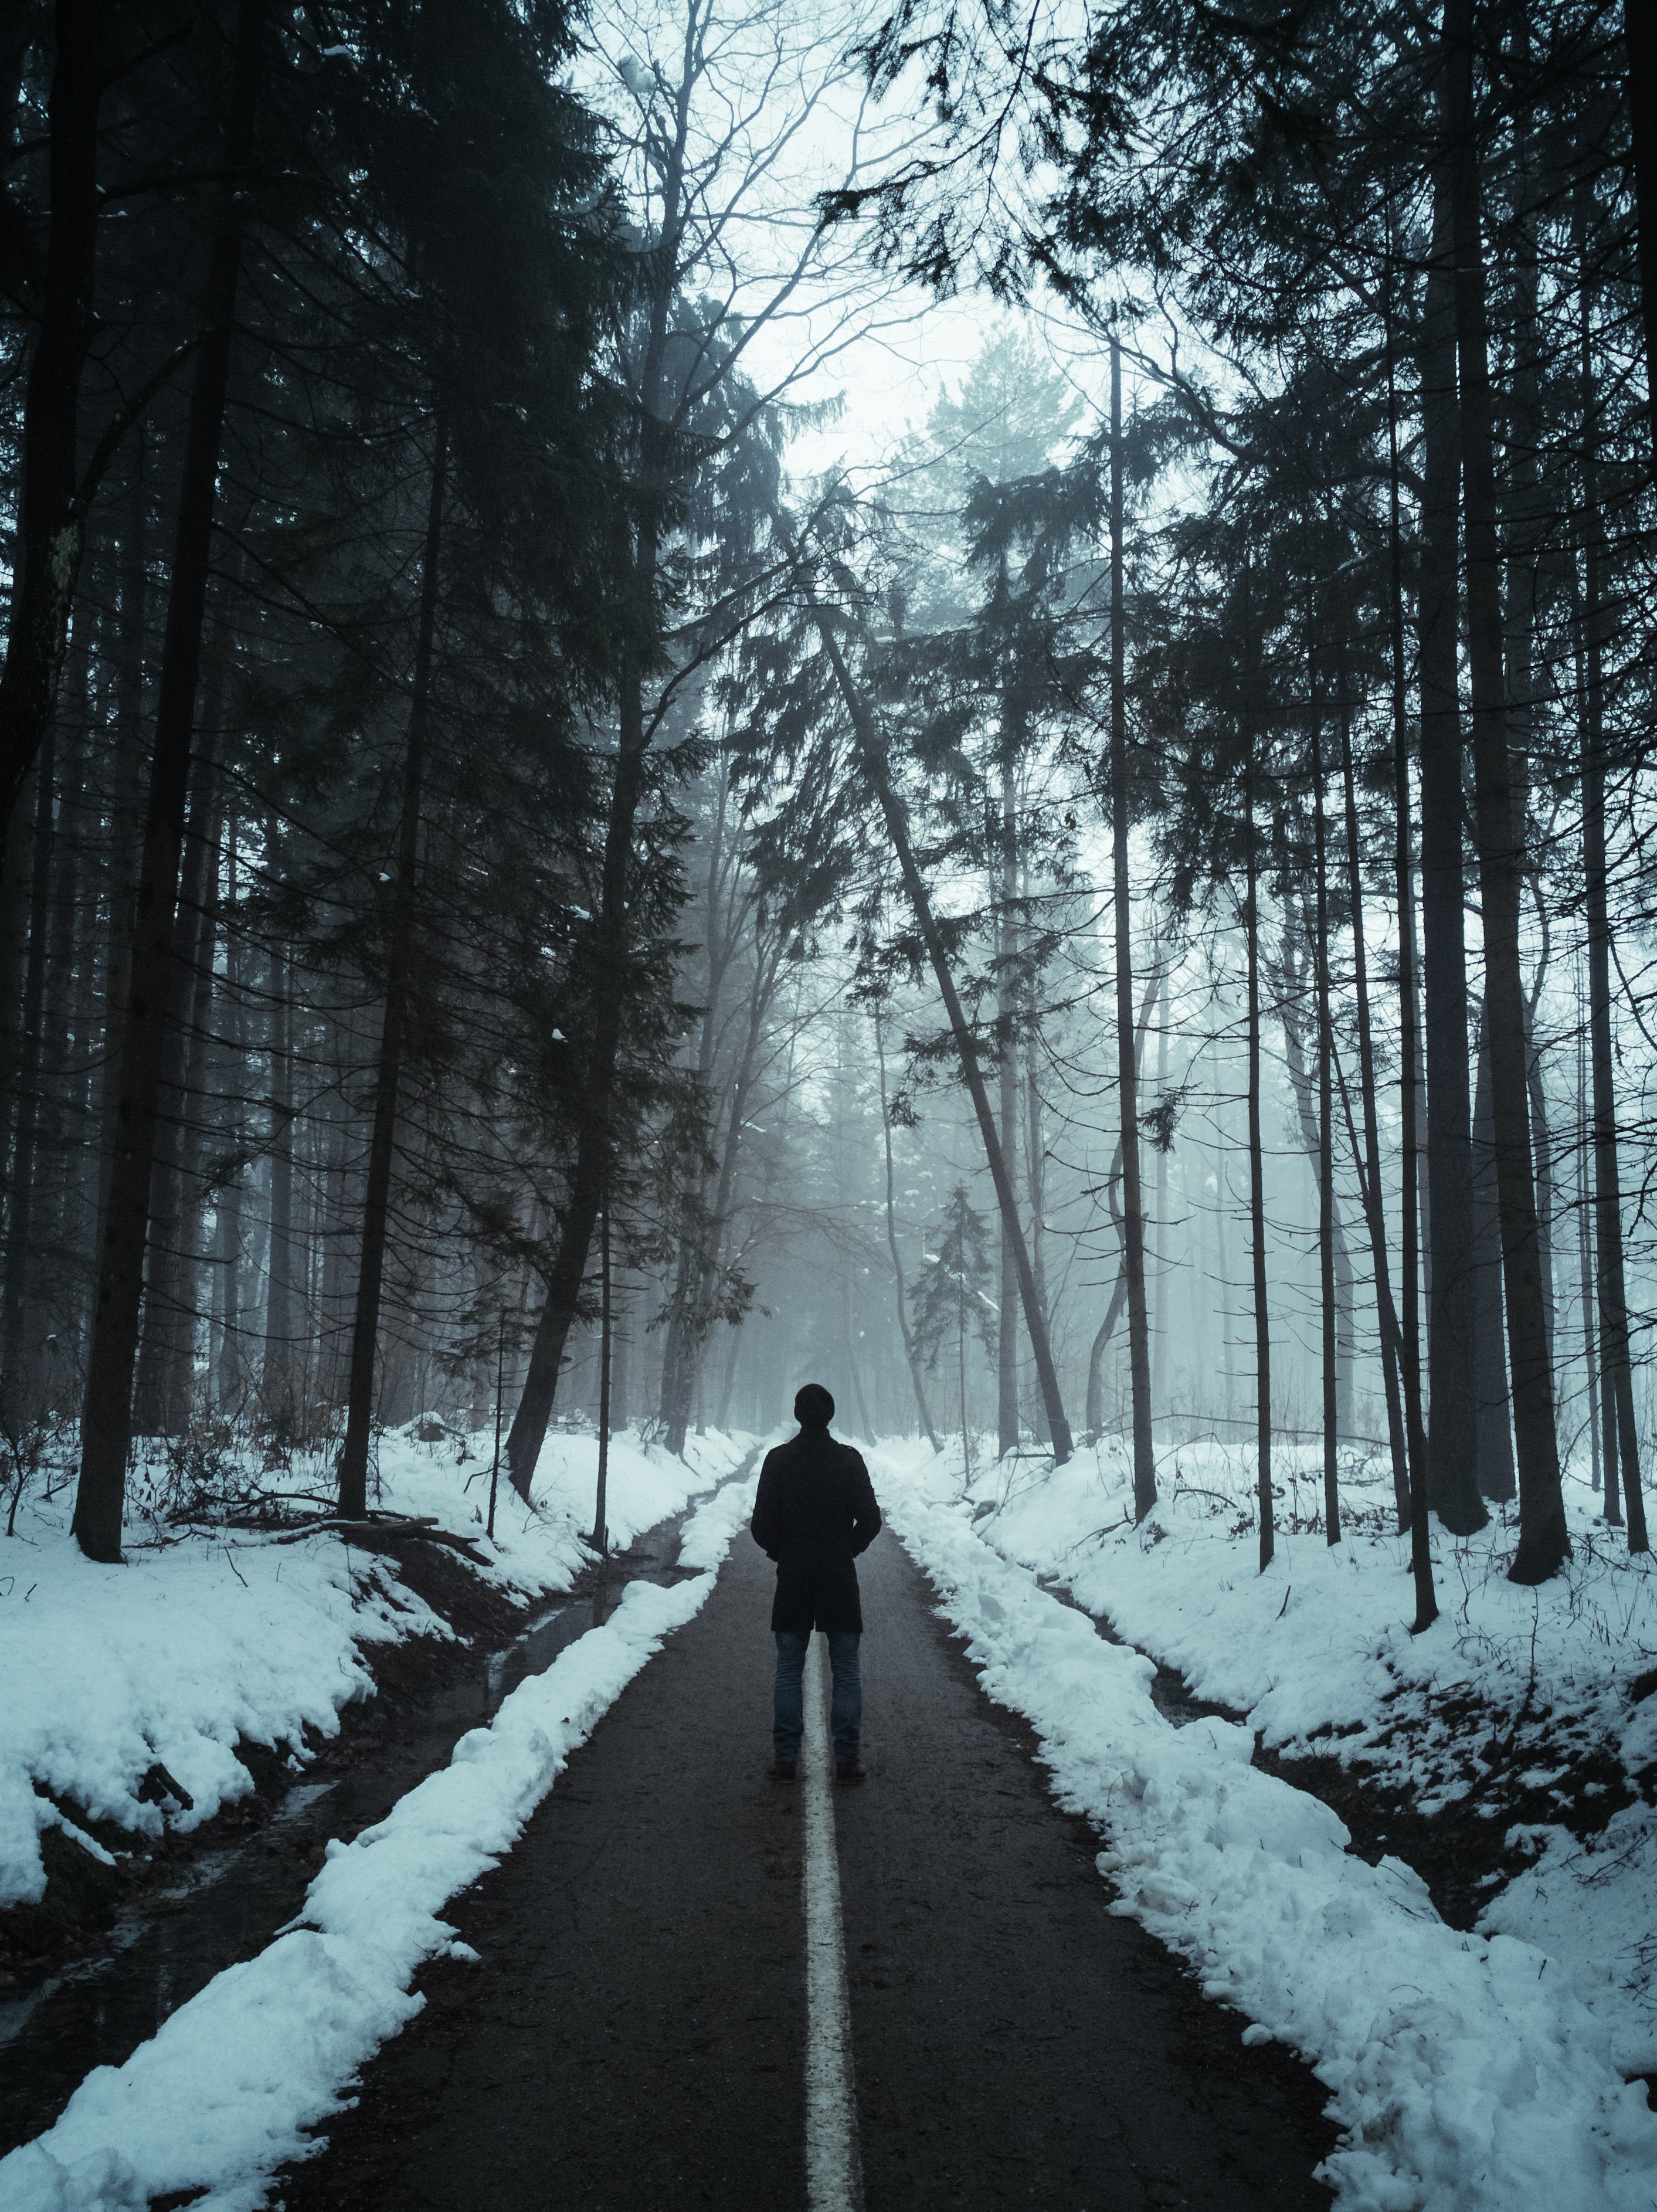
[(815, 1511)]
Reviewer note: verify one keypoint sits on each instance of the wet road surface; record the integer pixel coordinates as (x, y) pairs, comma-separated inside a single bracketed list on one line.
[(635, 2035)]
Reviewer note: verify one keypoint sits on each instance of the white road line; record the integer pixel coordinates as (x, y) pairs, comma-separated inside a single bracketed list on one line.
[(834, 2164)]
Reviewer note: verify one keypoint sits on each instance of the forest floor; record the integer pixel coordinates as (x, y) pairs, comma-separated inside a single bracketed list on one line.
[(606, 1993)]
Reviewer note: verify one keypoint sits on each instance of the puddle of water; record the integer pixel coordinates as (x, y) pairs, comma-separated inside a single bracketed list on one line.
[(171, 1941)]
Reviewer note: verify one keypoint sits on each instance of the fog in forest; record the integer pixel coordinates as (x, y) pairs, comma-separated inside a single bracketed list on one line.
[(696, 699)]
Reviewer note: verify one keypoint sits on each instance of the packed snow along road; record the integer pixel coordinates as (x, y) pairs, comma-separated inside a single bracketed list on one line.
[(1464, 2074), (1176, 1986), (636, 2034)]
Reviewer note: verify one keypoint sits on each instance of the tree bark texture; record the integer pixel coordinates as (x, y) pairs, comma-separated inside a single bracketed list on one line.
[(1544, 1542), (1640, 40), (1452, 1442), (399, 966), (1325, 1135), (1257, 1187), (899, 1289), (1006, 1333), (1495, 1466), (47, 556), (1370, 1184), (1622, 1490), (1127, 1073), (106, 1414)]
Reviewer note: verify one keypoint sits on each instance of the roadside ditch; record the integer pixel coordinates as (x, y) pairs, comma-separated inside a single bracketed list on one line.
[(93, 1971)]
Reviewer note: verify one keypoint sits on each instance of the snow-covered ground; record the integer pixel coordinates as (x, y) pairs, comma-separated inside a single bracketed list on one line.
[(1471, 2072), (223, 2094), (210, 1636)]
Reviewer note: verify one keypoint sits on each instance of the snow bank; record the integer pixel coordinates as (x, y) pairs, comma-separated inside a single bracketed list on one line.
[(1322, 1641), (1465, 2076), (222, 2094), (167, 1660)]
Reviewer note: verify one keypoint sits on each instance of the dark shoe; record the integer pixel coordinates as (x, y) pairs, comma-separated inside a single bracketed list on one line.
[(848, 1770), (781, 1769)]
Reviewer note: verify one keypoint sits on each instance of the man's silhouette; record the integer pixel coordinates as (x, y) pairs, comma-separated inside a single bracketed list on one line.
[(814, 1513)]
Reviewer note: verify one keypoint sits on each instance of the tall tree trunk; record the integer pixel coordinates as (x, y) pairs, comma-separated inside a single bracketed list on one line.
[(1159, 1349), (1621, 1447), (1496, 1467), (1452, 1436), (900, 1291), (1006, 1333), (1289, 981), (873, 760), (1257, 1185), (584, 1201), (601, 1499), (282, 1398), (399, 969), (1325, 1132), (1035, 1180), (225, 1363), (166, 1367), (1544, 1541), (1127, 1086), (105, 1422), (1095, 1399), (50, 515), (611, 932), (1585, 1244), (1639, 41), (1409, 1074), (1374, 1200), (126, 803), (694, 1271), (1543, 1133), (22, 1323)]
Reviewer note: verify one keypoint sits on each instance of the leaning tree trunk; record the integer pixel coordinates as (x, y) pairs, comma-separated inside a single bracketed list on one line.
[(897, 828), (388, 1071), (1544, 1540), (1452, 1438), (1127, 1086), (106, 1415)]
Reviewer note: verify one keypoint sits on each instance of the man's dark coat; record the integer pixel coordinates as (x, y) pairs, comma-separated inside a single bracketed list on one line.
[(815, 1512)]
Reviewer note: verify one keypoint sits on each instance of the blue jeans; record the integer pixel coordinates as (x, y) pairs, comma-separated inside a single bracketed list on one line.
[(845, 1707)]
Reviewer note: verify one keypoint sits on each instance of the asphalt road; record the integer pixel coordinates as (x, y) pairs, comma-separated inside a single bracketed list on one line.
[(635, 2036)]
